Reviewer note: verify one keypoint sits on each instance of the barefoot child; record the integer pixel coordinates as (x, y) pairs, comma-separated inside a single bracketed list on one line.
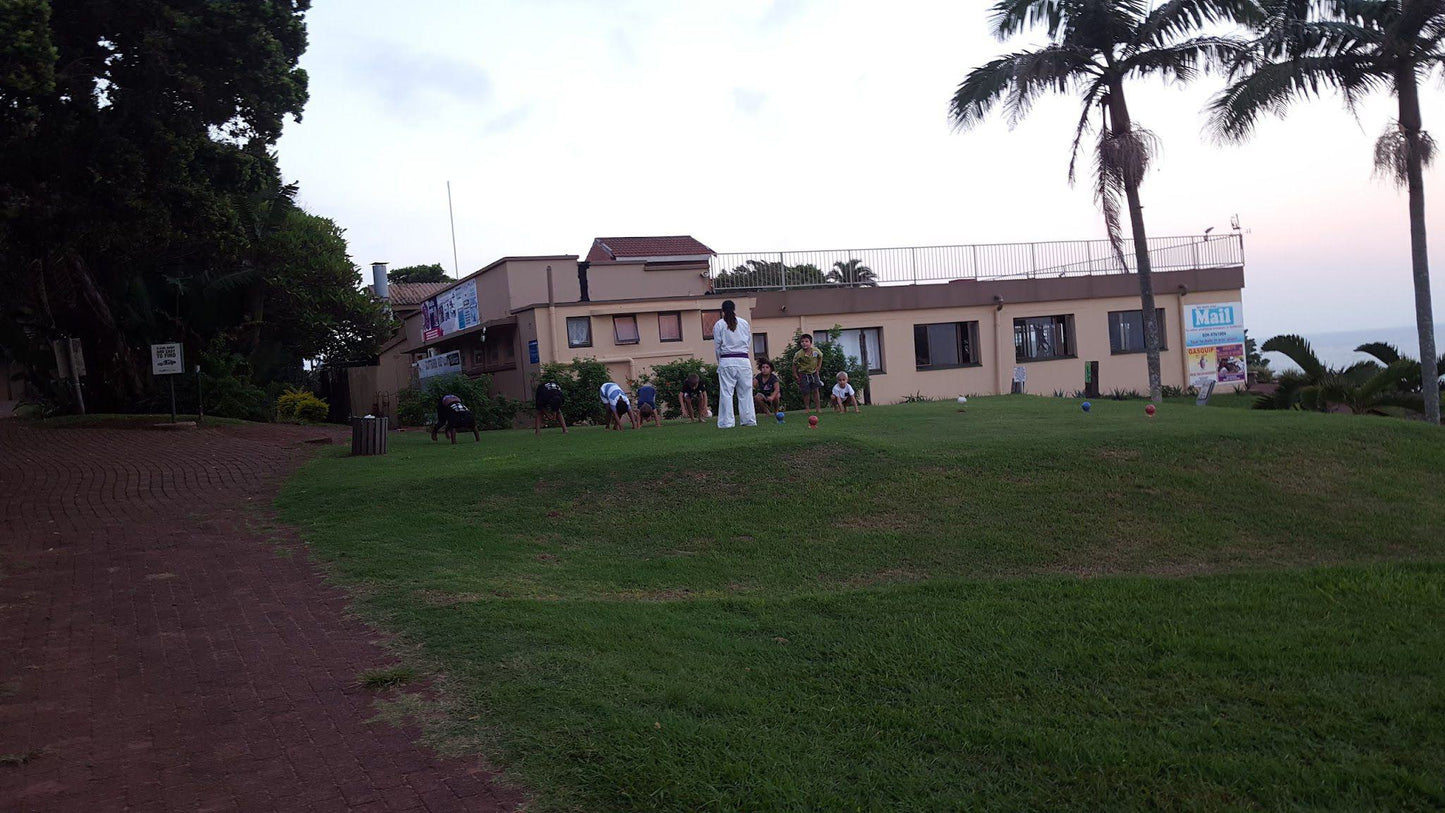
[(453, 415), (647, 405), (549, 406), (843, 395), (693, 398), (617, 405), (807, 364), (766, 392)]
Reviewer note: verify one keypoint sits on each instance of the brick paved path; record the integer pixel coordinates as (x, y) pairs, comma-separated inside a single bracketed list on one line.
[(159, 652)]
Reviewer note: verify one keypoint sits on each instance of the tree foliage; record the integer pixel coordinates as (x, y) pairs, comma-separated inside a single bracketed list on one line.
[(418, 273), (1093, 47), (1354, 47), (140, 202)]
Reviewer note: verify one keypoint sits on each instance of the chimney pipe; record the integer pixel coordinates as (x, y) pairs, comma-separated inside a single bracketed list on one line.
[(378, 280)]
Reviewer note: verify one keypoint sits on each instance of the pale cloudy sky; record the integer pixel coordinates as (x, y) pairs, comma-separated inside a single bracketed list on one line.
[(764, 125)]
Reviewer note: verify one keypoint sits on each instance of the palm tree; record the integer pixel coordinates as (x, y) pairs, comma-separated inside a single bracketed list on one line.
[(1094, 45), (852, 273), (1354, 46), (1364, 387)]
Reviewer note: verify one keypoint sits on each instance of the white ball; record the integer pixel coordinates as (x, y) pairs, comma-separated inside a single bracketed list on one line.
[(963, 399)]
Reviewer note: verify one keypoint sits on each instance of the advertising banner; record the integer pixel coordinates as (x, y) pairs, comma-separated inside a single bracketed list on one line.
[(439, 365), (167, 359), (1214, 343), (450, 311)]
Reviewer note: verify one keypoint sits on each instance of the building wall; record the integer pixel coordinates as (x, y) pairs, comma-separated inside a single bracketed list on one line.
[(607, 281), (625, 361), (994, 373)]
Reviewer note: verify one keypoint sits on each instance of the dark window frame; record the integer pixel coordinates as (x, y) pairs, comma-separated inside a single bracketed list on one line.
[(709, 324), (862, 346), (570, 320), (1114, 317), (966, 336), (1064, 321), (764, 337)]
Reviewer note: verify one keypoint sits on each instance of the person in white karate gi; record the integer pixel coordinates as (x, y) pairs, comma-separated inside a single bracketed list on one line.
[(733, 339)]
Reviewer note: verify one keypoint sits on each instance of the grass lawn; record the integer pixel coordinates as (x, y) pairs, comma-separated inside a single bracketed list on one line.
[(1020, 606)]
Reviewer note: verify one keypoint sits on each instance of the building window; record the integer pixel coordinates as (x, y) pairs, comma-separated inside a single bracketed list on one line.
[(1044, 337), (624, 330), (669, 326), (1126, 331), (709, 318), (760, 346), (579, 331), (864, 344), (945, 344)]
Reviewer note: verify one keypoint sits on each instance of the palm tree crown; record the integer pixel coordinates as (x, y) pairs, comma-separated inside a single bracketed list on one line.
[(1094, 45), (1355, 47)]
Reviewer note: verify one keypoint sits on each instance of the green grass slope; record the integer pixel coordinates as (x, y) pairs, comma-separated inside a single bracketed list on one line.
[(1016, 606)]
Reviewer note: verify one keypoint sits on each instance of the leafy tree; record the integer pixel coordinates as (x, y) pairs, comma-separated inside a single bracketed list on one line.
[(761, 274), (418, 273), (580, 380), (1355, 47), (1094, 46), (139, 200), (852, 273)]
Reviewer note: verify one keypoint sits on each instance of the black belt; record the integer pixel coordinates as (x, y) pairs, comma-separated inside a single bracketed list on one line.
[(733, 355)]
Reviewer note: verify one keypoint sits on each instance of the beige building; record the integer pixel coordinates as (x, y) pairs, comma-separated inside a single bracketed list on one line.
[(939, 322)]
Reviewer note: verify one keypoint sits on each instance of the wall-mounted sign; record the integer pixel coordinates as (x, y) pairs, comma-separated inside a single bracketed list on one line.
[(450, 311), (168, 359), (1214, 343), (439, 365), (532, 353)]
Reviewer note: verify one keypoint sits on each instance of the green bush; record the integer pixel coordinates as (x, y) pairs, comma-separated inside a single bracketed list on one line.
[(417, 406), (580, 380), (669, 377), (300, 406), (833, 363)]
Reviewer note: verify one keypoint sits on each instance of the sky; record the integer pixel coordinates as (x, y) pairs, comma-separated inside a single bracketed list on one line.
[(777, 125)]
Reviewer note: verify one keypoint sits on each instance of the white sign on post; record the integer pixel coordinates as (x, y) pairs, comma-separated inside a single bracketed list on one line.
[(439, 365), (168, 359)]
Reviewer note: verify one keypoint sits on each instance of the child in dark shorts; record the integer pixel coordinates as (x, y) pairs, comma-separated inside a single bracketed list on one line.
[(647, 405), (452, 415), (693, 399), (549, 405)]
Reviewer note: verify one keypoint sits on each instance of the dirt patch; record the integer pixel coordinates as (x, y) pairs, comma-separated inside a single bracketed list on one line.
[(893, 575)]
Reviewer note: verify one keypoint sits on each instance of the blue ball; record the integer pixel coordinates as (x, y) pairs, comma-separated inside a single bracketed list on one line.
[(1087, 406), (780, 416)]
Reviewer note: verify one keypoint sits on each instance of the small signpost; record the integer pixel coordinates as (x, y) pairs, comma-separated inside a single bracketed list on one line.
[(169, 360), (1020, 380), (70, 363)]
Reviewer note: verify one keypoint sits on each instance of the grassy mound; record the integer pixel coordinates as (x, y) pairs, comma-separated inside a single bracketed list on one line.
[(907, 609)]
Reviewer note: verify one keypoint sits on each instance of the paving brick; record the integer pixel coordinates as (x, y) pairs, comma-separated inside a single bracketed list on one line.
[(161, 656)]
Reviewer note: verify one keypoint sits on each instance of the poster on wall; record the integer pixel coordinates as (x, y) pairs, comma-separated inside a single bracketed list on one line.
[(439, 365), (1214, 343), (450, 311)]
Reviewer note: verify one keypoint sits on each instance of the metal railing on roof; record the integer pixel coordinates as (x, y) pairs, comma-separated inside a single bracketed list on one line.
[(868, 267)]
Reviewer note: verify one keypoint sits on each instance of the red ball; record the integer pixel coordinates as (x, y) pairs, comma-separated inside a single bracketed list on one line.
[(1149, 410), (812, 420)]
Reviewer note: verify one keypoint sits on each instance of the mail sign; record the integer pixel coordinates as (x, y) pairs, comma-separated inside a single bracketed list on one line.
[(1207, 316)]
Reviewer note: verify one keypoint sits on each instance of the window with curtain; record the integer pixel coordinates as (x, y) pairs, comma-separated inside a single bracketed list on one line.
[(760, 346), (579, 331), (709, 318)]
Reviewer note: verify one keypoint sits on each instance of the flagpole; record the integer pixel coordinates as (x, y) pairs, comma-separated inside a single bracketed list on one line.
[(456, 266)]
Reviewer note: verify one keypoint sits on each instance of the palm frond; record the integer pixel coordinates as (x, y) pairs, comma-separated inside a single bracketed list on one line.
[(1184, 61), (1091, 96), (1384, 352), (1273, 87), (1176, 18), (1016, 80), (1297, 349), (1394, 149)]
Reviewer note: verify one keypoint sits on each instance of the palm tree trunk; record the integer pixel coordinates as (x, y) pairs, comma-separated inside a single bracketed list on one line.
[(1409, 94), (1121, 126)]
